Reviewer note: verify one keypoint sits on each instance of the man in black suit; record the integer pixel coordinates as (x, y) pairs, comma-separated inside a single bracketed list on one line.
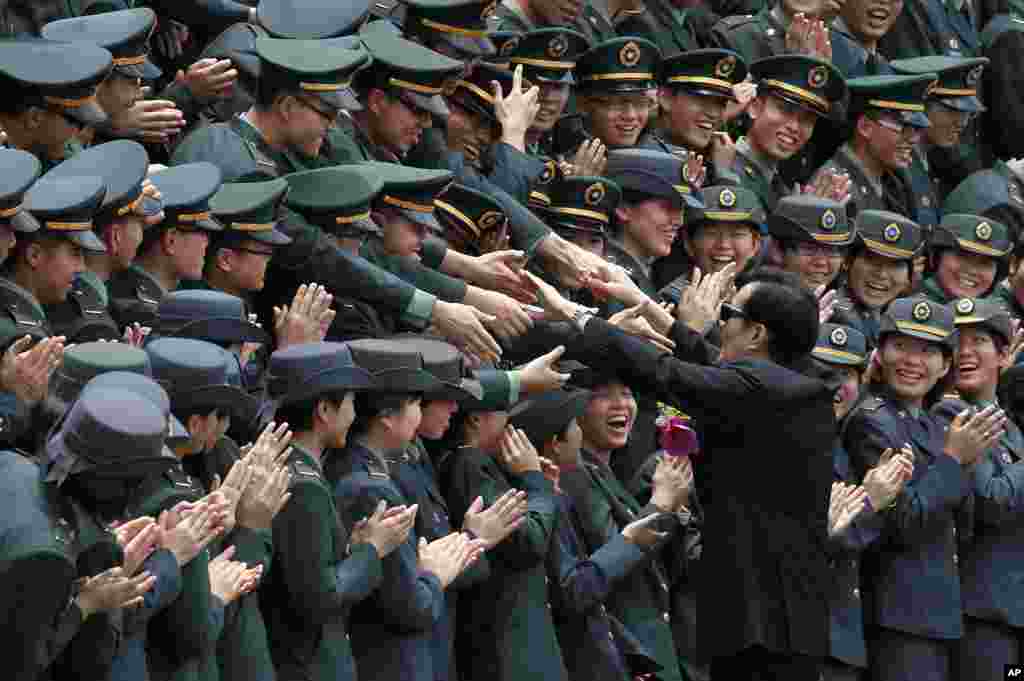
[(763, 602)]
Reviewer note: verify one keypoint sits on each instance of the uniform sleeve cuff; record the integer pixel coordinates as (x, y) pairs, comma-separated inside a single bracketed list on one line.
[(419, 309)]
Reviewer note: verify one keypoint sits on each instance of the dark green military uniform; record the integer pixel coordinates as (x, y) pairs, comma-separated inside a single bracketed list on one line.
[(123, 164), (754, 36), (957, 90), (591, 23), (971, 235), (674, 30), (902, 97), (240, 150), (807, 82), (885, 234), (186, 191), (61, 77)]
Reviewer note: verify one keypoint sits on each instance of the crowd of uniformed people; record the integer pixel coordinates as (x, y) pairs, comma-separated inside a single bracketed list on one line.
[(557, 340)]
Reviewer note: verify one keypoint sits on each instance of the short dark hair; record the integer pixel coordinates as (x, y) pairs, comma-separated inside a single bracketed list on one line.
[(784, 305), (299, 415)]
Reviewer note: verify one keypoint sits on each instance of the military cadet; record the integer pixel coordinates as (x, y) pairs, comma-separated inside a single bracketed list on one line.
[(727, 230), (932, 28), (527, 15), (404, 211), (393, 630), (614, 83), (266, 142), (879, 269), (548, 56), (970, 256), (129, 205), (887, 118), (845, 351), (491, 141), (174, 249), (793, 93), (655, 197), (763, 34), (814, 235), (912, 607), (321, 566), (237, 257), (951, 107), (484, 457), (125, 34), (472, 222), (51, 95), (855, 35), (581, 210), (43, 267), (696, 88), (454, 29), (991, 638), (594, 645)]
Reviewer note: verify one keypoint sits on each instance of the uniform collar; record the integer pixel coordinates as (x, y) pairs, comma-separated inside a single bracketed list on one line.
[(144, 274), (377, 455), (766, 166)]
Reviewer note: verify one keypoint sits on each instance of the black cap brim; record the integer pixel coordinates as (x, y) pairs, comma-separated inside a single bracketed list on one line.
[(432, 103), (538, 75), (466, 389), (23, 222), (271, 237), (915, 119), (428, 220), (220, 330), (88, 240), (620, 86), (208, 225), (965, 104), (341, 99), (89, 114)]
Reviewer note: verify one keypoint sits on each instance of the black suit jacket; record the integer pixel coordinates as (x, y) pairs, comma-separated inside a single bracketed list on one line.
[(767, 436)]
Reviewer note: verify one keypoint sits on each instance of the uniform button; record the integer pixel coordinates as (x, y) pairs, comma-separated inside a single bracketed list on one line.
[(549, 606), (956, 559), (925, 201), (610, 637), (856, 592), (664, 616)]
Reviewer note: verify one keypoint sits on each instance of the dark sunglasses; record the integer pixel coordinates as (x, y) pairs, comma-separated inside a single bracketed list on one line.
[(729, 311)]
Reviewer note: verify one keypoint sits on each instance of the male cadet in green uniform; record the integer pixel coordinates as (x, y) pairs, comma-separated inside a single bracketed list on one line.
[(793, 91), (952, 105), (696, 88), (404, 211), (583, 17), (50, 95), (581, 209), (172, 250), (887, 118), (127, 208), (548, 57), (284, 132), (814, 235), (42, 268), (615, 80)]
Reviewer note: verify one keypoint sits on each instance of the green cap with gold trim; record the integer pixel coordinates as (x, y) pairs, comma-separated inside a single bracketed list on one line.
[(473, 222), (839, 344), (540, 191), (337, 199), (902, 96), (582, 203), (959, 78), (811, 83), (974, 234), (548, 55), (420, 73), (975, 312), (504, 43), (804, 217), (18, 172), (889, 234), (474, 91), (619, 65), (461, 24), (412, 190), (919, 317), (250, 210), (704, 72), (314, 66), (65, 207), (727, 204)]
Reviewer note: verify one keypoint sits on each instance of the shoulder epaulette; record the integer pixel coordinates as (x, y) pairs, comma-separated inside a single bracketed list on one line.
[(736, 20), (304, 470), (179, 478)]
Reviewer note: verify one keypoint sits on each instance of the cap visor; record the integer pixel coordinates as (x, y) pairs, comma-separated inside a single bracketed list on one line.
[(271, 237), (965, 104), (209, 225), (691, 201), (466, 389), (88, 114), (405, 381), (434, 103), (622, 86), (916, 119), (24, 222), (708, 92), (341, 99), (132, 71), (88, 240), (824, 355), (834, 112), (219, 330), (423, 218), (150, 71)]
